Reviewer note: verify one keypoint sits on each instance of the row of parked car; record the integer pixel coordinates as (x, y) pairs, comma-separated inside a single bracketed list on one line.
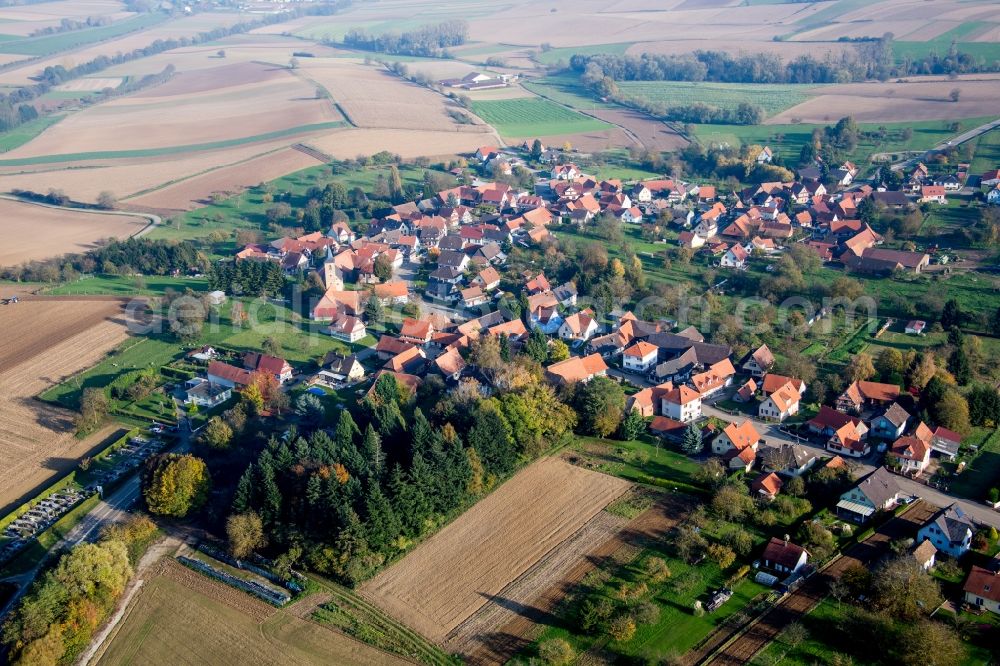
[(45, 513), (38, 519)]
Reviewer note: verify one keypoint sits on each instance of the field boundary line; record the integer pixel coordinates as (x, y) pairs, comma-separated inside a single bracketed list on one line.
[(151, 219)]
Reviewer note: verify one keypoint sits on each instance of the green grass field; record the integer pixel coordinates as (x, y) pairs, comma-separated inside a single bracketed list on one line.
[(63, 41), (247, 210), (553, 56), (789, 139), (171, 150), (567, 90), (940, 45), (983, 472), (772, 98), (126, 286), (987, 155), (524, 118), (24, 133)]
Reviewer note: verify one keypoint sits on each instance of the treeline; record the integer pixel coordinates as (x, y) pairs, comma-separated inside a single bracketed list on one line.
[(128, 257), (430, 40), (12, 104), (69, 25), (247, 278), (149, 257), (872, 60), (57, 619), (347, 501)]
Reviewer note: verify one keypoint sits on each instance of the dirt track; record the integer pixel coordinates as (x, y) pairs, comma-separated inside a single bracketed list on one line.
[(799, 603)]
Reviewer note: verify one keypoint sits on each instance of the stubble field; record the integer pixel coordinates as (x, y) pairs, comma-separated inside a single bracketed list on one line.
[(46, 341), (464, 566), (182, 617), (36, 232)]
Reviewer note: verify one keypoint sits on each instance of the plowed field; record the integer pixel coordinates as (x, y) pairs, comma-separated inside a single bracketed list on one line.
[(470, 562), (46, 342)]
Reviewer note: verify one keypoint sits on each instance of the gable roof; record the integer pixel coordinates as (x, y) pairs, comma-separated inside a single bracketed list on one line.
[(769, 483), (238, 376), (983, 583), (578, 368), (681, 395), (640, 349), (896, 415), (910, 448), (785, 397), (954, 522), (879, 486), (782, 552)]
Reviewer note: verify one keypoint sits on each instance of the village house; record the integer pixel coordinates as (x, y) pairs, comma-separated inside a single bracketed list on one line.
[(206, 394), (392, 293), (781, 404), (344, 369), (577, 369), (681, 403), (925, 555), (714, 379), (766, 486), (891, 423), (648, 401), (347, 328), (784, 557), (735, 257), (737, 445), (915, 327), (229, 376), (982, 588), (746, 391), (877, 491), (828, 421), (910, 454), (950, 530), (271, 365), (640, 357), (795, 460), (417, 332), (862, 395), (579, 326), (450, 364), (849, 440), (759, 362), (473, 297)]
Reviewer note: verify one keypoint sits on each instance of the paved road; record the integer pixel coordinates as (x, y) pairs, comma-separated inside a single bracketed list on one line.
[(113, 508), (772, 435), (957, 141)]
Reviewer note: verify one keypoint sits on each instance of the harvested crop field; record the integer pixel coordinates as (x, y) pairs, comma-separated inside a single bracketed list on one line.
[(371, 97), (38, 232), (772, 98), (228, 180), (455, 572), (349, 143), (650, 133), (84, 180), (46, 341), (228, 102), (91, 84), (182, 617), (914, 99)]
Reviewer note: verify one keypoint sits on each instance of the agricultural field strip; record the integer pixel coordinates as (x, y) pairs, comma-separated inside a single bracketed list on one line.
[(44, 45), (772, 98), (467, 637), (450, 576), (519, 118)]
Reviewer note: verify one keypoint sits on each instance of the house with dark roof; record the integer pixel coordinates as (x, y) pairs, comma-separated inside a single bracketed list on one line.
[(950, 530), (783, 556), (876, 491), (891, 423)]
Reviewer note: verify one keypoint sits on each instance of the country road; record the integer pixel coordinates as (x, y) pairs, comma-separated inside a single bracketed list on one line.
[(111, 509), (152, 220), (956, 141)]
